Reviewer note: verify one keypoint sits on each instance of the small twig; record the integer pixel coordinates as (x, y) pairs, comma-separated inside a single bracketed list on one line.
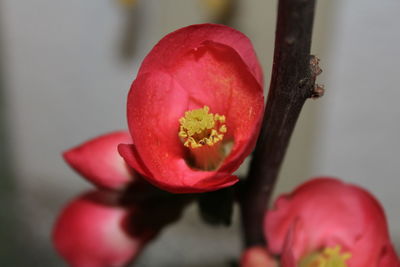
[(292, 82)]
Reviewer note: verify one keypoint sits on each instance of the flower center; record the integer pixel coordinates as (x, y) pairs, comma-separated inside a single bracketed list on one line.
[(199, 128), (202, 133), (329, 257)]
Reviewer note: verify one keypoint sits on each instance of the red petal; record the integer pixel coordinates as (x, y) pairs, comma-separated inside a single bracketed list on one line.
[(99, 162), (177, 43), (295, 235), (90, 232), (133, 159), (206, 180), (389, 257), (212, 75), (129, 153)]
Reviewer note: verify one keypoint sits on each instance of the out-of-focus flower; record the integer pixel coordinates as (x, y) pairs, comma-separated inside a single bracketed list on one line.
[(257, 256), (195, 109), (98, 161), (94, 231), (110, 226), (327, 223)]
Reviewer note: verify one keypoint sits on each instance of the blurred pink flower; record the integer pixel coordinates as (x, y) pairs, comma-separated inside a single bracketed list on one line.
[(326, 221), (94, 231), (108, 227), (99, 162)]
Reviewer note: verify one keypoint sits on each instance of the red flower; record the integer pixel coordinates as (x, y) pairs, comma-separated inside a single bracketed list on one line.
[(326, 222), (195, 108), (110, 227)]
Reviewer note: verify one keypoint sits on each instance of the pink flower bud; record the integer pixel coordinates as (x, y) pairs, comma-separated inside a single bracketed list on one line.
[(95, 231), (99, 162)]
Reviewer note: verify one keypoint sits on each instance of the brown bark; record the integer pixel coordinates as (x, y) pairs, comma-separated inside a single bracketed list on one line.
[(293, 81)]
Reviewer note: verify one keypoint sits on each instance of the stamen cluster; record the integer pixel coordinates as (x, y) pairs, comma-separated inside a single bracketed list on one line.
[(199, 127), (329, 257)]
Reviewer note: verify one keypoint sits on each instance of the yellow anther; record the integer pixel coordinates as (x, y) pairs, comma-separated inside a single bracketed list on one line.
[(329, 257), (220, 118), (222, 129), (199, 127)]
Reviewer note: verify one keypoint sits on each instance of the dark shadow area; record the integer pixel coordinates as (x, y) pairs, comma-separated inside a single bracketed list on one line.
[(11, 239)]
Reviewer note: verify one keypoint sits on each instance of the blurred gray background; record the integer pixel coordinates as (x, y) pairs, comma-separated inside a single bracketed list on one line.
[(65, 70)]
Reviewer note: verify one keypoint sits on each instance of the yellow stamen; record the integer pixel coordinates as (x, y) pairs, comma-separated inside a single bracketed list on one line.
[(203, 134), (199, 128), (329, 257)]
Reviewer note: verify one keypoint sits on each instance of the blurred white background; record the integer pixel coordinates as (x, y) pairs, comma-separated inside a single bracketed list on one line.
[(68, 65)]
